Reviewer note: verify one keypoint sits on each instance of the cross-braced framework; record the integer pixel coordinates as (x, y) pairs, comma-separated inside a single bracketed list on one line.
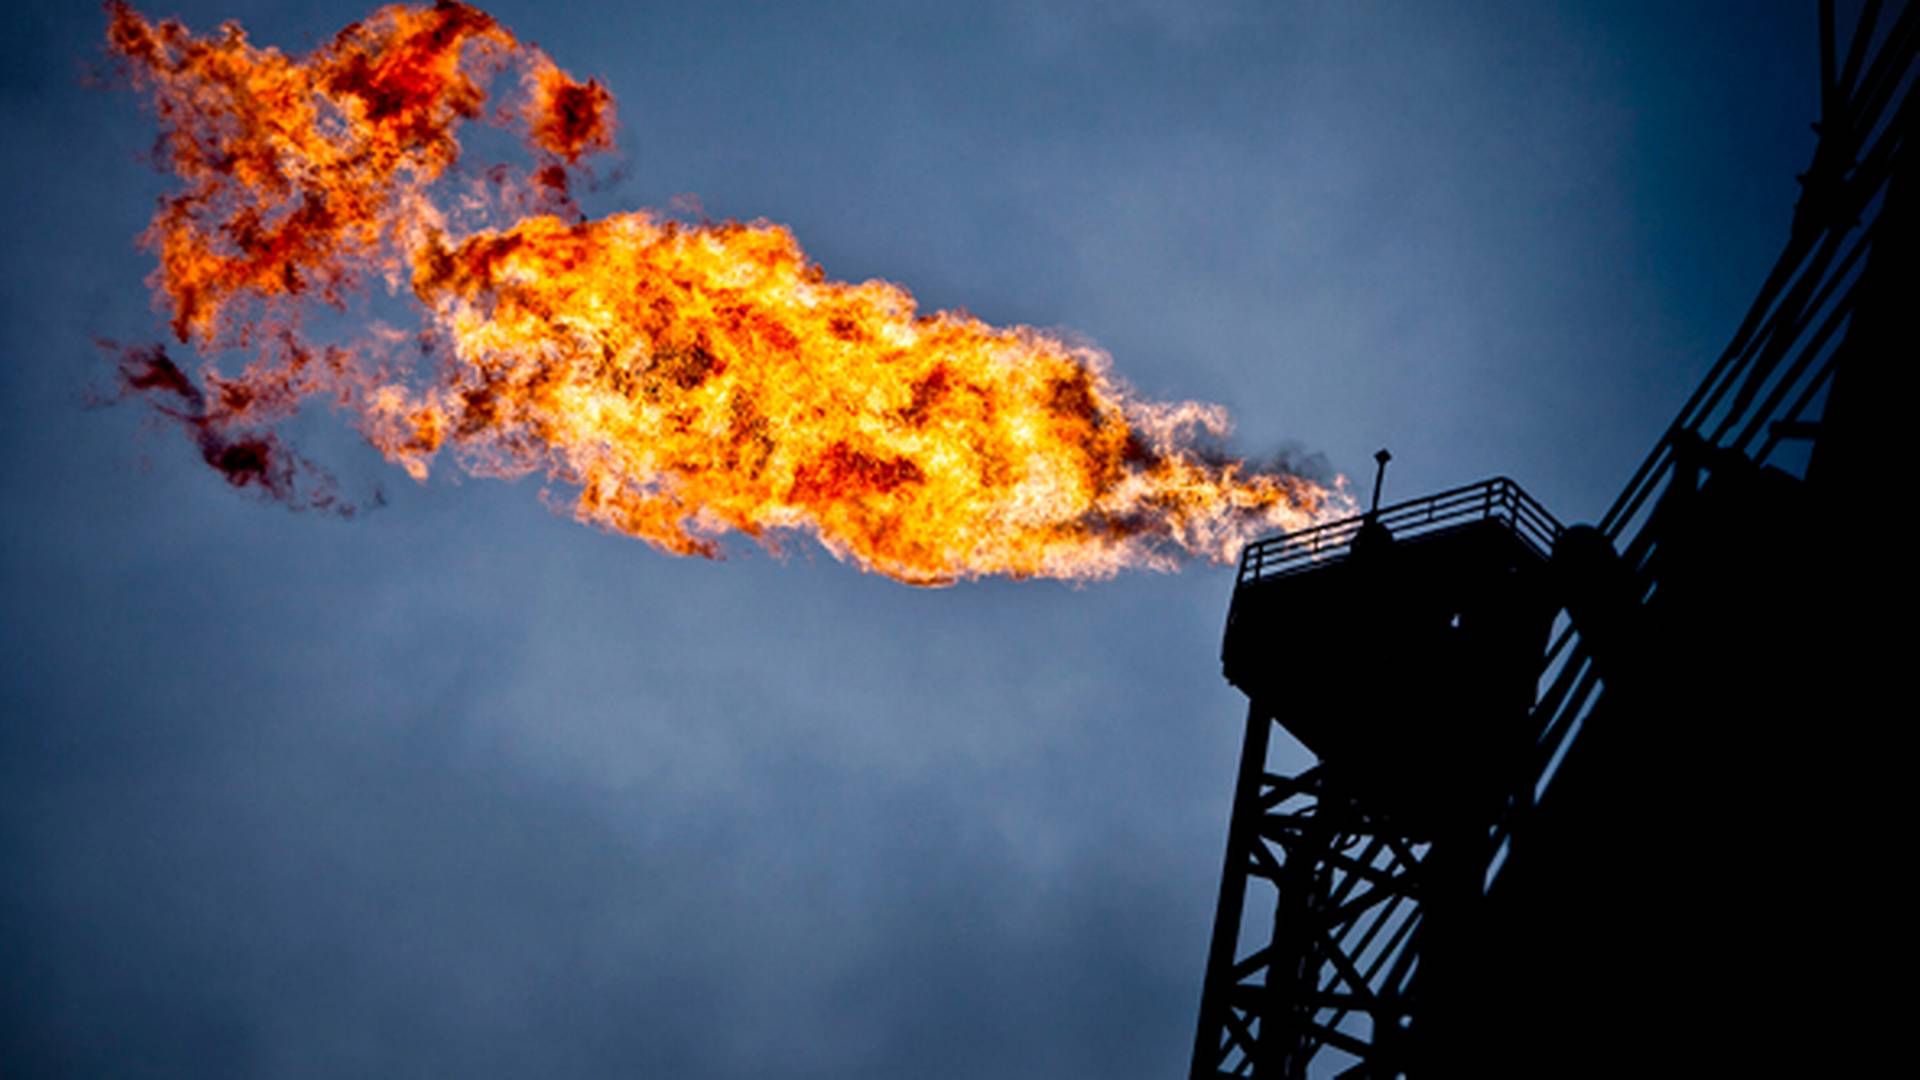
[(1333, 970), (1327, 987)]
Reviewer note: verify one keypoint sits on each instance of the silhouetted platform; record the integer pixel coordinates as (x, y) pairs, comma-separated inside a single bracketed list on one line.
[(1402, 647)]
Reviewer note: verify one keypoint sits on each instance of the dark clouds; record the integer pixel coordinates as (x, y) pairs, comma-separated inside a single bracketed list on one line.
[(463, 788)]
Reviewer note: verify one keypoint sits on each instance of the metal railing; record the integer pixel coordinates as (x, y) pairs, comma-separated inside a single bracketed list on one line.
[(1498, 499)]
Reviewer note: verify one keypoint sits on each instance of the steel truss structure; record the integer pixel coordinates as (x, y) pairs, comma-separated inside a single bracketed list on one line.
[(1346, 890), (1329, 911)]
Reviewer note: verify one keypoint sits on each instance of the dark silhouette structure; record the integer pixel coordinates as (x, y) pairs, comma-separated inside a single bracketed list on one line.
[(1612, 799)]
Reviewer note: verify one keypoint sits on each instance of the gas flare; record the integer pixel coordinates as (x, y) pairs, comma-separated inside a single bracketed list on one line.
[(686, 380)]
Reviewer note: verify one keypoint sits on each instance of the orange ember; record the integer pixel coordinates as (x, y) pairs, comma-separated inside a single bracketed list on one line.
[(685, 380)]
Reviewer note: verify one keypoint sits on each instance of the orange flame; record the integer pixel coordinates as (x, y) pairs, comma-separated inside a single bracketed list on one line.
[(687, 380)]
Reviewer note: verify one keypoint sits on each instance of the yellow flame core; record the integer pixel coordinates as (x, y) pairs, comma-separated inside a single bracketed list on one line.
[(687, 380)]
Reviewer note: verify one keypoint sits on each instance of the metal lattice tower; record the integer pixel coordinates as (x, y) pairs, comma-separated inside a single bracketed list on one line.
[(1491, 873)]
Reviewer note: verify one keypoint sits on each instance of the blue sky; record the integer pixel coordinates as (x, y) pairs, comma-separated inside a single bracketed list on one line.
[(463, 788)]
